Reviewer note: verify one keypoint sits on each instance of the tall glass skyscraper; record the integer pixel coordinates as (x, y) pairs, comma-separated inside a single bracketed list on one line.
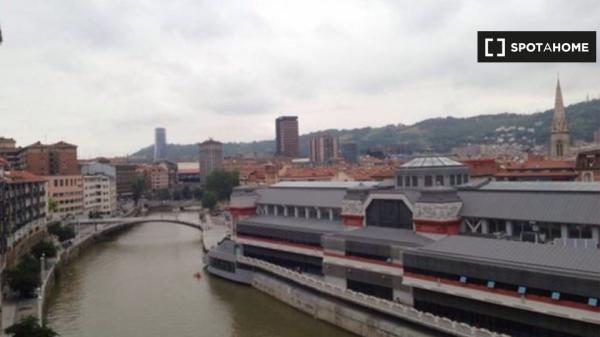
[(160, 144)]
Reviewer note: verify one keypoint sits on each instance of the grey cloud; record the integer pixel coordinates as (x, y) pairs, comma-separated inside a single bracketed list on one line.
[(111, 70)]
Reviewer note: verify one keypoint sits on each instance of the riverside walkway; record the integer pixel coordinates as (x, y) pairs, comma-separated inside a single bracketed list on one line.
[(213, 231)]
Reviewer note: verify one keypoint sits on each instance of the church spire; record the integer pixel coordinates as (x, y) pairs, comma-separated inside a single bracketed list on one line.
[(559, 122), (559, 131)]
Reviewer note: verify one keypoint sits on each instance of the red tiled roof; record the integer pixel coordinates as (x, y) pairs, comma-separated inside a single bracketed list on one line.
[(23, 176), (537, 174), (481, 167), (58, 144), (540, 164), (310, 172), (370, 173)]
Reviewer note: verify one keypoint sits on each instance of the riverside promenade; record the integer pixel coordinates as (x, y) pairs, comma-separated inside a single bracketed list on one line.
[(213, 229)]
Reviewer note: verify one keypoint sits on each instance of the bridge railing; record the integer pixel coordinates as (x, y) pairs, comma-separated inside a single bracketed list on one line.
[(389, 307), (130, 220)]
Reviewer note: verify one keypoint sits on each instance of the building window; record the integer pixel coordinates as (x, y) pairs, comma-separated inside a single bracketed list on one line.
[(407, 181), (428, 181), (452, 180), (466, 178), (439, 180), (400, 181), (415, 181), (459, 179)]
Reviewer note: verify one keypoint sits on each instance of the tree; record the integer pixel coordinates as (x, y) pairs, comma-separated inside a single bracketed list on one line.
[(163, 194), (138, 186), (186, 193), (176, 195), (63, 233), (44, 247), (54, 226), (197, 192), (209, 200), (25, 277), (52, 205), (222, 182), (29, 327)]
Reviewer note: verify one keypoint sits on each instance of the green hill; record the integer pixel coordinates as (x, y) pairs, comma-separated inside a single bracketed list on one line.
[(438, 134)]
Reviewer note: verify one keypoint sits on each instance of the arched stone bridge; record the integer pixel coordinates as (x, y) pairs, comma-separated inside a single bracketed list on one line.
[(137, 220)]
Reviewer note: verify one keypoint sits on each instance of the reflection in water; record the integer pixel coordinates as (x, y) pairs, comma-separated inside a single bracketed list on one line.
[(141, 284)]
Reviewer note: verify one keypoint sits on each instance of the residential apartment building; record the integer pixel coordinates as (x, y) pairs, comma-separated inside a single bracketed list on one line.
[(286, 136), (156, 176), (125, 175), (99, 194), (23, 204), (7, 143), (211, 157), (46, 160), (323, 149), (10, 153), (171, 169), (66, 192)]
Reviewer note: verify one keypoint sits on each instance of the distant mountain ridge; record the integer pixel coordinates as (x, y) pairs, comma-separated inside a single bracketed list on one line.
[(438, 135)]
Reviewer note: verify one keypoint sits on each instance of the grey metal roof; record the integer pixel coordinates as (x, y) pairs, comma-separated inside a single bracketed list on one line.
[(373, 234), (302, 197), (325, 184), (518, 254), (224, 251), (438, 194), (542, 186), (553, 207), (297, 224), (411, 195), (431, 162)]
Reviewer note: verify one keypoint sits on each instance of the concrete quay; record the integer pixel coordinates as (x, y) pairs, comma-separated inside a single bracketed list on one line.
[(343, 315)]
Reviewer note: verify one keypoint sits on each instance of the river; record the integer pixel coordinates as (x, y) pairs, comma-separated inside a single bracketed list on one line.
[(140, 284)]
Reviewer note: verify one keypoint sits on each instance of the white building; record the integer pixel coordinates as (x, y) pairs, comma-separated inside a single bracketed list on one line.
[(99, 194)]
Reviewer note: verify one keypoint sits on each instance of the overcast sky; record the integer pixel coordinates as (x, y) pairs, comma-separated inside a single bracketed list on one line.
[(103, 73)]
